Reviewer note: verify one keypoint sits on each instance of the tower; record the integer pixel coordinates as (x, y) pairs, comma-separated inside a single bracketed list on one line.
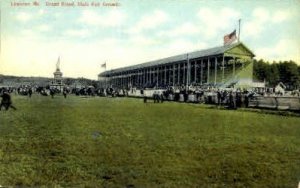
[(57, 82)]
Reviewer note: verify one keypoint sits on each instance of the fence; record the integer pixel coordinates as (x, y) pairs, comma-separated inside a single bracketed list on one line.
[(271, 102), (281, 103)]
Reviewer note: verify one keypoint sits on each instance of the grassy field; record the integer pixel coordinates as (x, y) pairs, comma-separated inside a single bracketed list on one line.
[(122, 142)]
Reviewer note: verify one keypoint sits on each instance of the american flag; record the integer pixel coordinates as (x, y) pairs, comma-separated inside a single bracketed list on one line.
[(103, 65), (230, 38)]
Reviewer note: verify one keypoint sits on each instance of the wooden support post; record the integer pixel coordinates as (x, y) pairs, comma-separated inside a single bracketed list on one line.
[(223, 69), (147, 80), (173, 75), (201, 73), (156, 77), (208, 70), (145, 75), (123, 77), (188, 70), (233, 71), (169, 76), (184, 74), (150, 72), (125, 80), (141, 79), (121, 80), (195, 72), (216, 69), (138, 78), (178, 76), (165, 79), (159, 76)]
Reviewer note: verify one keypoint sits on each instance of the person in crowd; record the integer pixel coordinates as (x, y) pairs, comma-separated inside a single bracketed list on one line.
[(219, 96), (29, 92), (185, 94), (177, 94), (6, 101), (156, 97), (65, 93), (238, 99), (161, 96), (246, 100), (43, 92), (144, 96), (52, 93), (231, 100)]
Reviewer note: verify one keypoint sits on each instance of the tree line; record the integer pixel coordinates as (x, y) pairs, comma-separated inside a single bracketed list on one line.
[(287, 72)]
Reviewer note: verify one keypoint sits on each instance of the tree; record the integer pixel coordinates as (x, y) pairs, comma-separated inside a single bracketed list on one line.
[(273, 74), (287, 72)]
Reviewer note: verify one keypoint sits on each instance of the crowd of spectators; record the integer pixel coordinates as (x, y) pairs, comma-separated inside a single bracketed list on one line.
[(228, 97)]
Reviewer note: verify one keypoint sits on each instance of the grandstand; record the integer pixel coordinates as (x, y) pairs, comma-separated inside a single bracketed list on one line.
[(223, 66)]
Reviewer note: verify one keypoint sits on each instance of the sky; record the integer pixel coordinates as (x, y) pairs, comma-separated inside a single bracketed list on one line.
[(136, 31)]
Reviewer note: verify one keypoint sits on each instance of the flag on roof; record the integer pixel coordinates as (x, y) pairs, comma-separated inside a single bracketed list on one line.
[(103, 65), (230, 38)]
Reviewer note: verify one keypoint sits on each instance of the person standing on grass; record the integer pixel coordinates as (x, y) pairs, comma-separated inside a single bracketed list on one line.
[(155, 97), (231, 102), (6, 101), (30, 92), (219, 96), (144, 95), (65, 93), (161, 97), (246, 100), (52, 93)]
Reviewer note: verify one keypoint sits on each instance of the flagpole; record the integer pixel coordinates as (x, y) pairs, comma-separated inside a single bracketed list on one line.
[(0, 30), (105, 76), (239, 30)]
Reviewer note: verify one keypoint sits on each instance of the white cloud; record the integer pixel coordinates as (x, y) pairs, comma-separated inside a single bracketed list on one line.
[(114, 18), (44, 27), (23, 16), (111, 19), (182, 30), (280, 16), (41, 12), (140, 40), (253, 28), (262, 17), (77, 33), (284, 49), (182, 46), (212, 21), (90, 17), (150, 21), (27, 32), (261, 14)]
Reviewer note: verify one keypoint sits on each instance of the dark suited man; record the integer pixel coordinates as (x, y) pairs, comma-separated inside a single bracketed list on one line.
[(6, 101)]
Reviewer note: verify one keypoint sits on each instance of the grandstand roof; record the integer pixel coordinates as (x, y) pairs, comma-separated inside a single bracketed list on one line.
[(192, 55)]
